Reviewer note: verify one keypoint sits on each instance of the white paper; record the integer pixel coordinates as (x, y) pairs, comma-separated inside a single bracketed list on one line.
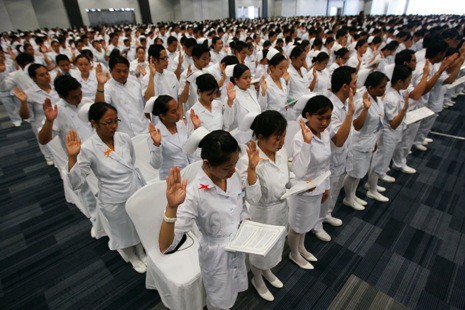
[(301, 187), (417, 115), (255, 238)]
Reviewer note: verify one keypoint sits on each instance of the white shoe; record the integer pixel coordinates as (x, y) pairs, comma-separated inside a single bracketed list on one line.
[(92, 232), (17, 123), (333, 221), (387, 178), (408, 170), (409, 152), (275, 283), (449, 104), (308, 256), (360, 201), (428, 140), (377, 196), (138, 266), (421, 147), (378, 188), (50, 162), (323, 235), (267, 295), (306, 266), (353, 204)]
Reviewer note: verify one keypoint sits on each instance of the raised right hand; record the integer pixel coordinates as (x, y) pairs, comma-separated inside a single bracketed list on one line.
[(351, 107), (366, 100), (175, 188), (51, 112), (231, 91), (73, 144), (306, 132), (102, 78), (155, 134)]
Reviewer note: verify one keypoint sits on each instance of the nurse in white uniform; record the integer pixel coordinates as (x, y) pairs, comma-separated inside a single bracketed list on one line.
[(35, 97), (168, 137), (311, 158), (342, 55), (276, 83), (110, 156), (264, 186), (367, 124), (298, 82), (241, 98), (320, 79), (85, 75), (215, 202), (208, 108), (395, 107)]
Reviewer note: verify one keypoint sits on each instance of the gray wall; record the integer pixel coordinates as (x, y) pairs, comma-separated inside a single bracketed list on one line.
[(106, 4), (161, 10), (21, 14), (5, 21), (50, 13)]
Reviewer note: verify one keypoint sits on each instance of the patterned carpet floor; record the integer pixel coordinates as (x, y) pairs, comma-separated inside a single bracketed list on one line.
[(408, 253)]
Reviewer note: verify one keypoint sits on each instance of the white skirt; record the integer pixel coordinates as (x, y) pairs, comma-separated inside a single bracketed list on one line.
[(122, 232), (304, 212), (273, 214)]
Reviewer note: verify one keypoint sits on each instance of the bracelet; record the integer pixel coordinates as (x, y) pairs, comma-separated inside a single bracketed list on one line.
[(100, 91), (169, 219)]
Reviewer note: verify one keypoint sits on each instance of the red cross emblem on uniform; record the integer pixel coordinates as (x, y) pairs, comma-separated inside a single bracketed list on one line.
[(205, 187)]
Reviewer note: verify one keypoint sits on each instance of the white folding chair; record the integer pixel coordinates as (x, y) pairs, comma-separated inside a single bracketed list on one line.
[(175, 276), (60, 159), (292, 128), (142, 150), (191, 171)]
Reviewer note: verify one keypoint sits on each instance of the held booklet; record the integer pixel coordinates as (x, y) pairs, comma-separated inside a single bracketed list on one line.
[(417, 115), (305, 186), (255, 238)]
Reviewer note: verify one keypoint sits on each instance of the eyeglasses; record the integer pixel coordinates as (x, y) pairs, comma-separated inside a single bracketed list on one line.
[(109, 123), (215, 93), (163, 58)]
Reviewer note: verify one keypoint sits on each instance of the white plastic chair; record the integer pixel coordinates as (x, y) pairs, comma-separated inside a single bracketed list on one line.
[(292, 128), (142, 150), (191, 171), (60, 159), (175, 276)]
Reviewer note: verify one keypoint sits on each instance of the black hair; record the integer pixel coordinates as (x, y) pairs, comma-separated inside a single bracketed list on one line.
[(296, 51), (115, 52), (329, 40), (61, 57), (317, 42), (322, 56), (341, 76), (360, 43), (155, 51), (199, 50), (340, 33), (240, 45), (267, 43), (268, 123), (215, 39), (171, 39), (64, 84), (207, 82), (276, 60), (32, 69), (435, 48), (317, 105), (401, 73), (161, 105), (217, 147), (341, 52), (23, 59), (230, 60), (239, 69), (390, 47), (98, 109), (117, 59), (375, 78), (81, 56), (140, 48), (404, 56), (190, 42), (376, 40)]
